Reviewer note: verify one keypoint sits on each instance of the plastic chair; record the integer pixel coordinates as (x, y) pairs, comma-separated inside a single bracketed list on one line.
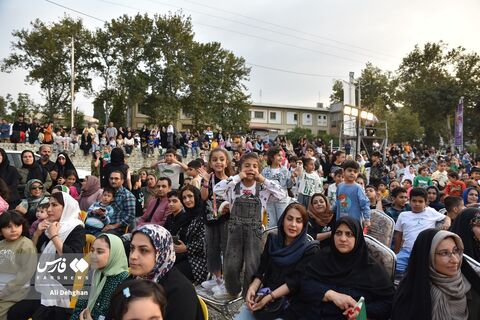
[(89, 239), (203, 305), (382, 254), (382, 227)]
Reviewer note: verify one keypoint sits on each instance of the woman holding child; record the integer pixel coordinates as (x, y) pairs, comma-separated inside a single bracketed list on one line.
[(61, 233)]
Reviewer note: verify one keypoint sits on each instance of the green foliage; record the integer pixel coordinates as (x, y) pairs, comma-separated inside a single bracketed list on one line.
[(23, 105), (3, 107), (337, 92), (403, 125), (296, 134), (78, 120), (44, 51)]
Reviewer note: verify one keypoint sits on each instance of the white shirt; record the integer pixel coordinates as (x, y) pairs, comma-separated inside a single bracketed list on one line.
[(411, 224), (171, 171)]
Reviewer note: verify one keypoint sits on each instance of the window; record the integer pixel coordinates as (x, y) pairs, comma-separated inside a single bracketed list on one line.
[(322, 120), (292, 118), (307, 119), (273, 116), (258, 114), (295, 117)]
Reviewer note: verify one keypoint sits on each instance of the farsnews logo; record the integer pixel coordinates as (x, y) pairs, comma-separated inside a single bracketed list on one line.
[(79, 265), (59, 265)]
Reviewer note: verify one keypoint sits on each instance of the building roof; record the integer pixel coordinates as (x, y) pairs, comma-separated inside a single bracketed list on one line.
[(286, 106)]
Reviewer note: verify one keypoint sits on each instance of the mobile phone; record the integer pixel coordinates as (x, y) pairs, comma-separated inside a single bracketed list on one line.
[(176, 240)]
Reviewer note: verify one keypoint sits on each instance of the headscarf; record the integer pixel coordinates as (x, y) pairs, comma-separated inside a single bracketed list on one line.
[(4, 164), (407, 174), (35, 171), (437, 205), (117, 263), (44, 283), (61, 169), (355, 270), (281, 254), (117, 157), (448, 293), (91, 192), (462, 226), (28, 194), (414, 297), (165, 253), (184, 218), (465, 195)]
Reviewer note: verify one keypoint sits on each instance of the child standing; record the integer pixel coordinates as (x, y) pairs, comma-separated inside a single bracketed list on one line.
[(411, 223), (248, 194), (275, 171), (193, 172), (70, 179), (399, 203), (351, 199), (422, 180), (332, 189), (41, 215), (308, 182), (455, 187), (138, 194), (219, 168), (18, 260), (99, 213)]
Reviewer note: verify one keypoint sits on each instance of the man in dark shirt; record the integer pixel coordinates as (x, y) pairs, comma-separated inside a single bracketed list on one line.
[(18, 130), (45, 151)]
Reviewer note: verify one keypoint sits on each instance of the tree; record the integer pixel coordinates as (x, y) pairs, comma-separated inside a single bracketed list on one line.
[(298, 133), (3, 107), (23, 106), (337, 92), (44, 51), (403, 125)]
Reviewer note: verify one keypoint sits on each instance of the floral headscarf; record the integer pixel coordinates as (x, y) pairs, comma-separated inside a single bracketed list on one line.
[(165, 253)]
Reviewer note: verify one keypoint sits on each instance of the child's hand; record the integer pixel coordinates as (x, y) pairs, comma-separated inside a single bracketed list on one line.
[(204, 174), (259, 178)]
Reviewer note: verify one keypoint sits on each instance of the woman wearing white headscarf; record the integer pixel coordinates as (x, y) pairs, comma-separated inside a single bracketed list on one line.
[(57, 238)]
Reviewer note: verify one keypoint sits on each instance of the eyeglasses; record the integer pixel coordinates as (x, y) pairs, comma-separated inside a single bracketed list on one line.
[(36, 188), (448, 254), (348, 234)]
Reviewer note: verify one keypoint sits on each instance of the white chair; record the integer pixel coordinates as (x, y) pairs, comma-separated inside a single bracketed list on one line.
[(382, 227), (382, 254)]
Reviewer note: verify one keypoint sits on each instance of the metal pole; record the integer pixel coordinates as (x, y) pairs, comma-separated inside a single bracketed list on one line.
[(72, 89), (358, 147)]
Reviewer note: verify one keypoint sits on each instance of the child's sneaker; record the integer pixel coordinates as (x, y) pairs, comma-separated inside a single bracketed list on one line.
[(209, 284)]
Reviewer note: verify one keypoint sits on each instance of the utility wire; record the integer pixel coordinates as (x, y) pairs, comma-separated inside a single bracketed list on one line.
[(257, 27), (287, 28), (252, 64)]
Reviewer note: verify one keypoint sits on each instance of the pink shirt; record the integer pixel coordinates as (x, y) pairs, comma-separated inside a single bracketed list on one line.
[(160, 213)]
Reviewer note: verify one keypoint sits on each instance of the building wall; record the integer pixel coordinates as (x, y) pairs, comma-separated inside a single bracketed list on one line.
[(280, 118)]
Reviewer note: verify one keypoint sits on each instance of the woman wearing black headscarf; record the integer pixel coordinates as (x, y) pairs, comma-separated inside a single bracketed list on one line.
[(467, 226), (117, 163), (64, 164), (10, 176), (440, 284), (284, 253), (433, 197), (31, 169), (337, 277), (188, 230)]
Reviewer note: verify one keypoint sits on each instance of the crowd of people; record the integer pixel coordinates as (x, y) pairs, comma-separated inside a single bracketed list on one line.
[(165, 232)]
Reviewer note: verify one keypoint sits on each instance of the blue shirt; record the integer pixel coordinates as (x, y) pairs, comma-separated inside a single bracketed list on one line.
[(352, 201)]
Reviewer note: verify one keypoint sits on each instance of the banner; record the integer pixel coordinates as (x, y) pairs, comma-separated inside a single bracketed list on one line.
[(459, 124)]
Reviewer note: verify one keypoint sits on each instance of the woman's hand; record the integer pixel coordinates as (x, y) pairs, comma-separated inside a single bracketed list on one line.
[(351, 313), (85, 315), (260, 302), (180, 248), (53, 228), (250, 298), (21, 209), (341, 300)]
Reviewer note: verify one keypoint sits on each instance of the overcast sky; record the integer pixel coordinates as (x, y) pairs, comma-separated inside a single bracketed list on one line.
[(323, 39)]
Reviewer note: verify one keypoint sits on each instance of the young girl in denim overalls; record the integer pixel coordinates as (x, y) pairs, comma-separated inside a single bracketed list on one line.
[(248, 194)]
